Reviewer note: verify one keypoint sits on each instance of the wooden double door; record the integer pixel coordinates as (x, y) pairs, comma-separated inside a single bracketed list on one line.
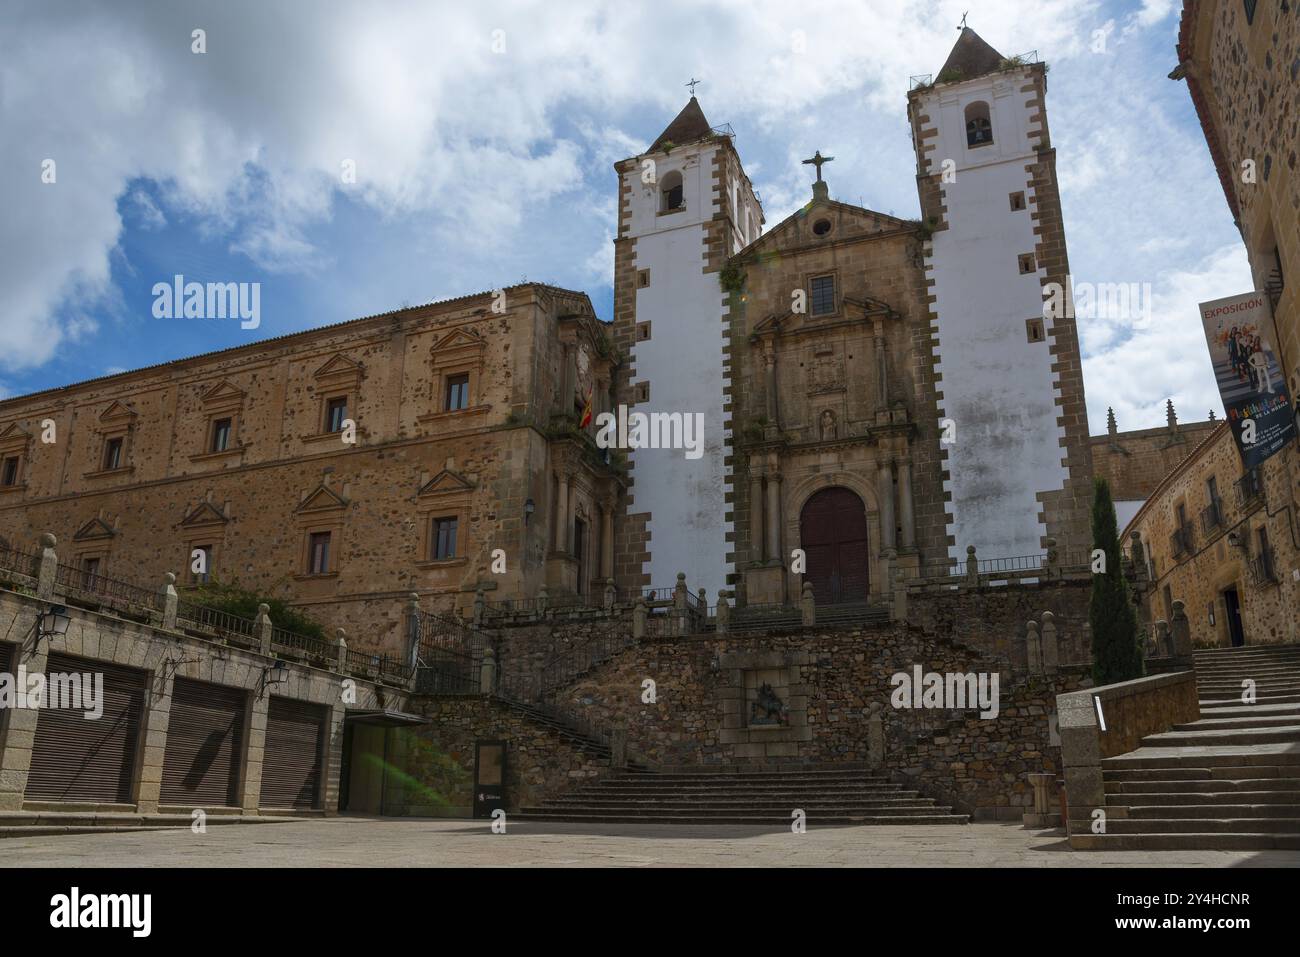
[(833, 535)]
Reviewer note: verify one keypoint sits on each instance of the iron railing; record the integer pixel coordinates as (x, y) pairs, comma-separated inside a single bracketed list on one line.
[(1212, 516), (304, 646), (1181, 540), (25, 563), (384, 667), (445, 670), (1250, 488), (212, 622), (121, 595), (1263, 570)]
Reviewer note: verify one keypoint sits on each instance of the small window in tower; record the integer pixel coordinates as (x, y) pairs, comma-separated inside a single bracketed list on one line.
[(642, 331), (1017, 202), (979, 131), (670, 191), (822, 227), (642, 278), (821, 293), (642, 392), (1027, 264), (336, 410), (1034, 330)]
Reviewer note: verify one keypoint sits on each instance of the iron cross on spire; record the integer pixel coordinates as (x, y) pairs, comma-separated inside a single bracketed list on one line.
[(694, 82), (962, 25), (817, 161)]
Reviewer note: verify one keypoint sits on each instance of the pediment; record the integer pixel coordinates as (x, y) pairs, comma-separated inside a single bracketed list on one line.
[(459, 339), (223, 393), (205, 513), (446, 482), (94, 529), (847, 222), (117, 411), (13, 435), (322, 499), (338, 366)]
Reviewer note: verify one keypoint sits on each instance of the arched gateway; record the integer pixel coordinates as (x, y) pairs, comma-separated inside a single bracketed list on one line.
[(833, 534)]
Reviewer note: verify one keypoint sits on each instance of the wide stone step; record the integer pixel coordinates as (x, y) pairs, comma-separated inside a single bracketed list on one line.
[(1250, 710), (1261, 721), (1209, 738), (655, 780), (1204, 825), (1255, 758), (771, 776), (776, 820), (745, 810), (1211, 811), (1255, 786), (568, 800), (1188, 841)]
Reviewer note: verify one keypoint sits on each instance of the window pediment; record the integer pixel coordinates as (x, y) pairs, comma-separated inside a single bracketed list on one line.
[(321, 499), (117, 413), (93, 530), (339, 369), (205, 513), (222, 396), (445, 482), (14, 437)]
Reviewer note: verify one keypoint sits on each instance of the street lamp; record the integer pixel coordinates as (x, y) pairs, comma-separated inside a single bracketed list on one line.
[(53, 622), (529, 508)]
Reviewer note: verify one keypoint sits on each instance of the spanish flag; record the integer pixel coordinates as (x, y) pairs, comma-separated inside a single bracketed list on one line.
[(586, 412)]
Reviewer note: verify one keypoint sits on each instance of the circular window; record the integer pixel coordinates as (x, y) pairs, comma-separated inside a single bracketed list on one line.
[(822, 227)]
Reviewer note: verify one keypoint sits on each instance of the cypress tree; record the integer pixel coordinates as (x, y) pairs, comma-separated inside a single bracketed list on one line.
[(1116, 654)]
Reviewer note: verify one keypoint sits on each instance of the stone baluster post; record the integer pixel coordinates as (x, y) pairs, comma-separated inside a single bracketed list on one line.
[(341, 651), (1051, 651), (638, 618), (723, 620), (972, 566), (49, 568), (1053, 556), (808, 605), (170, 602), (1164, 643), (487, 672), (263, 623), (1033, 649)]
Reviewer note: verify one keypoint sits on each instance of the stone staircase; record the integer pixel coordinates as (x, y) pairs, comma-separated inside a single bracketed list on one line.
[(769, 618), (828, 795), (1229, 781)]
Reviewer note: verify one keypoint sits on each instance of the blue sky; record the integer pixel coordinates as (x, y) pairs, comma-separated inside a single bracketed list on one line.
[(484, 138)]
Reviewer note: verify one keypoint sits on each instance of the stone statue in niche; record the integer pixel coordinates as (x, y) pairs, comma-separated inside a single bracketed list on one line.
[(829, 428), (768, 709)]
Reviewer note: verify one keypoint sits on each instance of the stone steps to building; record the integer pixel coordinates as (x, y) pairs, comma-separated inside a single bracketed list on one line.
[(1230, 780), (850, 795)]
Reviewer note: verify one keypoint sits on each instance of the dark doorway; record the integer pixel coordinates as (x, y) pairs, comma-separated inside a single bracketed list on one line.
[(833, 534), (1233, 605)]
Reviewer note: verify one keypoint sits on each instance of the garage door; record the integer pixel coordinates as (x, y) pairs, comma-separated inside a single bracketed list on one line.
[(205, 737), (75, 759), (291, 765)]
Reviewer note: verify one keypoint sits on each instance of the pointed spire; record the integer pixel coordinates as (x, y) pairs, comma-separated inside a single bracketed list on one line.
[(1170, 416), (689, 126), (1111, 427), (970, 57)]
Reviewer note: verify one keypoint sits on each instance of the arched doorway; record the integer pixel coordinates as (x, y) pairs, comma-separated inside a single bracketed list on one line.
[(833, 535)]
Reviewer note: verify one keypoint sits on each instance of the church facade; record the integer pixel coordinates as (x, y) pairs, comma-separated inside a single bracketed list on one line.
[(877, 395)]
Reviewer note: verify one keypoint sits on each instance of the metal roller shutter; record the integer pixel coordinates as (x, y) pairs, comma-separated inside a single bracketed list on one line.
[(291, 764), (205, 737), (76, 759)]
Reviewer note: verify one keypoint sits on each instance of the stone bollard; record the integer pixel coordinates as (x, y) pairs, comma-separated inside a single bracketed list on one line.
[(412, 627), (1181, 631), (723, 619), (611, 594), (341, 651), (487, 672), (49, 568), (170, 602), (542, 596), (1164, 643), (898, 608), (808, 605), (679, 603), (480, 605), (263, 624), (1053, 556), (972, 566), (1042, 815), (1051, 651), (1033, 649), (638, 618), (875, 736)]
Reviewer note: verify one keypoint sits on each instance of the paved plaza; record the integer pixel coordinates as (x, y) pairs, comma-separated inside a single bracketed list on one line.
[(370, 842)]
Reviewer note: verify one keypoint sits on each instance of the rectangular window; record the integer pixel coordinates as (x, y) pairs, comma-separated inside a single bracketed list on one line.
[(1017, 202), (1212, 486), (822, 293), (221, 435), (10, 476), (642, 278), (1028, 264), (336, 410), (457, 392), (113, 455), (1034, 330), (318, 553), (444, 537)]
